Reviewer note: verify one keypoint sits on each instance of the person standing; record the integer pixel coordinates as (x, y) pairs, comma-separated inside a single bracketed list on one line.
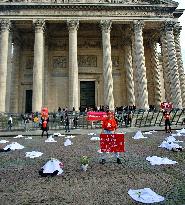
[(44, 125), (10, 123), (66, 122), (167, 118), (109, 126)]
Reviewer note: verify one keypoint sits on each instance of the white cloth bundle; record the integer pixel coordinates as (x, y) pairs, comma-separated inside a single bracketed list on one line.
[(50, 139), (170, 145), (3, 141), (13, 146), (95, 138), (145, 195), (53, 165), (58, 135), (33, 154), (28, 138), (158, 160), (70, 137), (138, 135), (18, 136), (67, 143)]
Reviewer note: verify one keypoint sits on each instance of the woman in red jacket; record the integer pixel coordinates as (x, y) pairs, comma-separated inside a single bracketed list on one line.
[(109, 126)]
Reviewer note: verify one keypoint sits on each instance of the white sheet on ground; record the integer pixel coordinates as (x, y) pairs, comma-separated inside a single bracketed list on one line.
[(70, 137), (154, 160), (169, 145), (171, 139), (138, 135), (3, 141), (58, 134), (33, 154), (177, 134), (18, 136), (50, 139), (145, 195), (91, 134), (148, 133), (182, 131), (13, 146), (67, 143), (53, 165), (28, 138), (95, 138)]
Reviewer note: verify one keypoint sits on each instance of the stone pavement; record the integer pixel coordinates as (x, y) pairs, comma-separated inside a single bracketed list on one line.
[(81, 131)]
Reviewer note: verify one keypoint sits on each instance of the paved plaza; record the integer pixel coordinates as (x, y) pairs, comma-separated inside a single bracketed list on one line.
[(101, 184)]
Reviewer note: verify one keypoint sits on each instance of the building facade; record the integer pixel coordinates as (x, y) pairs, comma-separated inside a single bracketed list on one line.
[(89, 52)]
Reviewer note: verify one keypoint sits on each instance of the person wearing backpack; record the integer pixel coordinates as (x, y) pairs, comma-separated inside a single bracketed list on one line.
[(44, 125)]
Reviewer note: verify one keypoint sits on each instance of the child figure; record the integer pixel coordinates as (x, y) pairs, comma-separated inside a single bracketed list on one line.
[(167, 121)]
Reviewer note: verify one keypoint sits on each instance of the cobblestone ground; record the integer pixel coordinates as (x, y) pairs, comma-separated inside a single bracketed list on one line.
[(106, 184)]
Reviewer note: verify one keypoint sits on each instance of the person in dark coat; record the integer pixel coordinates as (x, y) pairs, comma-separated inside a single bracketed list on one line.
[(66, 118), (44, 125)]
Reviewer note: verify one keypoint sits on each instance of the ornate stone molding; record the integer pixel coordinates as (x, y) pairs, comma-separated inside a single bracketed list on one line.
[(5, 25), (39, 25), (72, 25), (169, 25), (177, 29), (106, 25), (138, 25)]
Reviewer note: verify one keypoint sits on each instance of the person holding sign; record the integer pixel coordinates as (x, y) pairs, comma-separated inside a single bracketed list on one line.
[(109, 126)]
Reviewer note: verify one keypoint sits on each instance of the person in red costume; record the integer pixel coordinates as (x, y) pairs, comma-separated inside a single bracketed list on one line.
[(109, 126)]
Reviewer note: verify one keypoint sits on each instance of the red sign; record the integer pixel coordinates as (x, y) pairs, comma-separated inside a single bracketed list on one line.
[(44, 112), (96, 116), (166, 105), (112, 142)]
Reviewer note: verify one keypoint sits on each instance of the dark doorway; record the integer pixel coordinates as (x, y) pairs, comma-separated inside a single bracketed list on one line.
[(87, 93), (28, 104)]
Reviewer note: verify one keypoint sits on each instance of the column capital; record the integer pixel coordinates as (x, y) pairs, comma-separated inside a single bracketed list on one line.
[(177, 29), (106, 25), (5, 24), (72, 24), (138, 25), (169, 25), (39, 25)]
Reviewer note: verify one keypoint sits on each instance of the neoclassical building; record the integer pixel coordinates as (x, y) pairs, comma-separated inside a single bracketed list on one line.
[(89, 52)]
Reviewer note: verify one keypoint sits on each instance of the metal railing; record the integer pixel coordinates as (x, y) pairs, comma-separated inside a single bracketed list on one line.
[(139, 118)]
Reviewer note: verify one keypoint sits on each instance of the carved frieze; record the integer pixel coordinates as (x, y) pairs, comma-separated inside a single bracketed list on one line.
[(87, 61), (59, 63), (29, 63), (115, 61)]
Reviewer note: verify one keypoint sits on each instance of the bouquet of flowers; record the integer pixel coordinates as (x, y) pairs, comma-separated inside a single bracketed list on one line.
[(84, 160)]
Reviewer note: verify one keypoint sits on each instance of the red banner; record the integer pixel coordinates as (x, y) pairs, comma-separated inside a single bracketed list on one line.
[(96, 116), (166, 105), (112, 142)]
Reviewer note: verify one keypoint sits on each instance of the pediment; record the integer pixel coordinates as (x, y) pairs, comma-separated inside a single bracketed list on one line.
[(122, 2)]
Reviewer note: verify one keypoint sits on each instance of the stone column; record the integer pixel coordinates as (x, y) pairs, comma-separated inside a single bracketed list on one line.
[(37, 100), (174, 75), (156, 74), (129, 72), (177, 31), (166, 70), (73, 26), (4, 45), (141, 80), (107, 64), (14, 101)]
